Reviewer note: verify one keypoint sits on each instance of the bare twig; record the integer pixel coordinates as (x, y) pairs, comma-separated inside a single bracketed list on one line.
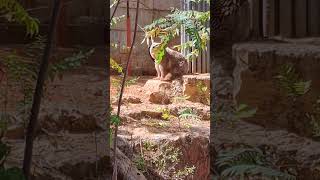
[(115, 9), (121, 93)]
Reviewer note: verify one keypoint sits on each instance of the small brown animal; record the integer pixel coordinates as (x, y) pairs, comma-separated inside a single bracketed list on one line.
[(173, 65)]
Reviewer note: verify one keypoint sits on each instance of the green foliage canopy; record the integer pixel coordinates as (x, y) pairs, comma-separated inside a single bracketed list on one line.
[(168, 27)]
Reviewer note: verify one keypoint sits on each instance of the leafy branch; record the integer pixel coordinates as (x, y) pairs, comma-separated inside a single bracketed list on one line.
[(168, 27), (14, 12)]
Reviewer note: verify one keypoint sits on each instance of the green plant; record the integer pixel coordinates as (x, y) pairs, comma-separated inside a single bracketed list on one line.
[(314, 117), (13, 173), (315, 125), (116, 82), (72, 62), (166, 160), (115, 120), (238, 112), (148, 145), (169, 155), (244, 111), (202, 88), (14, 12), (140, 164), (248, 162), (291, 83), (182, 174), (188, 113), (166, 114)]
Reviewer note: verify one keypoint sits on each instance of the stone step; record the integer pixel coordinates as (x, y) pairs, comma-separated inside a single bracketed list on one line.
[(303, 152), (257, 64)]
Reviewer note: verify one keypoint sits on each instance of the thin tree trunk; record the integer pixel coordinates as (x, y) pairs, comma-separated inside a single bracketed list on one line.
[(38, 93), (107, 85), (121, 92)]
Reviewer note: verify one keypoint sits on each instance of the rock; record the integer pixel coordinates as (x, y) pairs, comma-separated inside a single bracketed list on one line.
[(159, 98), (193, 148), (144, 114), (132, 100), (197, 87), (160, 92), (301, 152), (72, 121), (127, 100), (157, 86), (195, 151)]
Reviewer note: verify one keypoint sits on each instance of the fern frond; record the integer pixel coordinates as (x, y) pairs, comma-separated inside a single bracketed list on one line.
[(255, 170), (248, 162), (238, 156), (169, 27), (291, 83), (244, 111)]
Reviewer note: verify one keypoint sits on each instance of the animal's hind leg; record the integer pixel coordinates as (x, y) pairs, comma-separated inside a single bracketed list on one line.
[(168, 77)]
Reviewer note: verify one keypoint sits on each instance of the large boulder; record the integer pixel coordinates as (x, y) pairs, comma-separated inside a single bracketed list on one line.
[(159, 98), (159, 92), (153, 85), (197, 87)]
